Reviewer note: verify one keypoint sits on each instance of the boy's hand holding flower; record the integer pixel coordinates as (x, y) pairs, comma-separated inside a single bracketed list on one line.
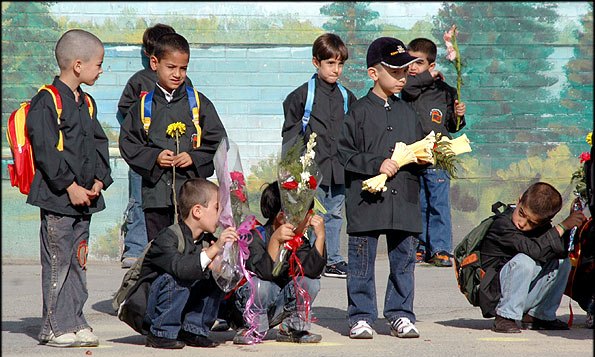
[(283, 233), (460, 108), (165, 159), (229, 234), (183, 159), (317, 223)]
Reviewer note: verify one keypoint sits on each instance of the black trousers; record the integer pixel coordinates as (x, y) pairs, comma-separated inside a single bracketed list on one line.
[(157, 219)]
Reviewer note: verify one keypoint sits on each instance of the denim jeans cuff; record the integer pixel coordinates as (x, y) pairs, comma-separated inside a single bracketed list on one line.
[(195, 330), (164, 334)]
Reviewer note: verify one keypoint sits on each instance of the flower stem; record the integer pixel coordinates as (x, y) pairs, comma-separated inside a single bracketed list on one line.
[(459, 77), (174, 181)]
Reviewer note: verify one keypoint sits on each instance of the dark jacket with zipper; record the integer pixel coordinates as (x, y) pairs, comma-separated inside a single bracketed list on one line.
[(140, 150), (369, 134), (502, 242)]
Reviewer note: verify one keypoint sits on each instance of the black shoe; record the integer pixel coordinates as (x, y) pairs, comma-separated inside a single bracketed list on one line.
[(162, 342), (441, 259), (196, 340), (297, 336), (504, 325), (220, 325), (533, 323), (338, 270)]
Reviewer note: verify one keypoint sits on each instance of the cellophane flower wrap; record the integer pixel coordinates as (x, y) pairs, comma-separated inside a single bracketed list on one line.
[(582, 194), (454, 55), (299, 177)]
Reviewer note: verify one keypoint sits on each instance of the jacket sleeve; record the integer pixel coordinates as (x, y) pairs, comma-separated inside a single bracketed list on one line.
[(312, 262), (260, 262), (451, 117), (293, 111), (212, 133), (102, 168), (42, 128), (350, 149), (134, 148), (129, 96), (415, 85)]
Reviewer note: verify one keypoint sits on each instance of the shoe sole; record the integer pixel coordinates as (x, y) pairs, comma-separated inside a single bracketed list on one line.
[(410, 334), (365, 335), (506, 331), (331, 275)]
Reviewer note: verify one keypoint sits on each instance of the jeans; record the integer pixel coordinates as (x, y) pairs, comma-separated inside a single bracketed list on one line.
[(273, 304), (434, 198), (361, 284), (64, 247), (332, 198), (528, 287), (174, 304), (136, 230)]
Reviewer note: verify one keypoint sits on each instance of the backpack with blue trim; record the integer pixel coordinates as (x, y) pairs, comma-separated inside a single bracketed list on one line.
[(193, 102), (310, 100)]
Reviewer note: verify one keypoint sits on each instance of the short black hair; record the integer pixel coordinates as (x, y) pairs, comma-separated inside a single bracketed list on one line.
[(329, 46), (543, 200), (425, 46), (270, 201), (195, 191), (153, 33), (170, 42)]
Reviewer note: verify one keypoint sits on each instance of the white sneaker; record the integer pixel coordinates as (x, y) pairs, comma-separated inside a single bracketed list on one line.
[(403, 328), (64, 340), (361, 330), (86, 338)]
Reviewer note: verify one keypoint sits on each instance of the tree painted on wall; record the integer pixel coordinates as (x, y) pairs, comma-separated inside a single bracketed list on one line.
[(505, 48), (354, 23), (29, 35), (578, 94)]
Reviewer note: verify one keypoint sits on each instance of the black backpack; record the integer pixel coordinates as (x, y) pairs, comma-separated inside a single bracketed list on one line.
[(467, 260)]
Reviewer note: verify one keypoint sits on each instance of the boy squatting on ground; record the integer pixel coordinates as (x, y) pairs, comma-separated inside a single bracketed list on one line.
[(371, 128), (275, 296), (329, 54), (152, 153), (140, 82), (525, 262), (67, 187), (183, 299), (437, 105)]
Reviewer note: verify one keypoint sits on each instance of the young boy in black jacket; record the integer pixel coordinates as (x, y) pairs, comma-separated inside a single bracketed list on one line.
[(72, 167), (437, 105), (141, 82), (331, 100), (371, 128), (183, 299), (151, 152), (275, 296), (525, 262)]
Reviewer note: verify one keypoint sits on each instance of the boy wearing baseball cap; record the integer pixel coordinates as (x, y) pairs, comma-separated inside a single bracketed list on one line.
[(370, 130)]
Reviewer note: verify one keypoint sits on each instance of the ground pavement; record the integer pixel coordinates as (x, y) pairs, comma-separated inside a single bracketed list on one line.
[(448, 324)]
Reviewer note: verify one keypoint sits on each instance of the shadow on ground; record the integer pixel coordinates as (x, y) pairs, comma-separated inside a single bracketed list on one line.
[(30, 326)]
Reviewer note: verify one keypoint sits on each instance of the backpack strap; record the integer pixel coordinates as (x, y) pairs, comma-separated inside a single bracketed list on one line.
[(181, 241), (146, 105), (261, 232), (498, 207), (310, 100)]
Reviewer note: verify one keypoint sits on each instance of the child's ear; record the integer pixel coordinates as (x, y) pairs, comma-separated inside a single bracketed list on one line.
[(432, 66), (153, 62), (373, 73), (77, 65), (196, 211), (316, 62)]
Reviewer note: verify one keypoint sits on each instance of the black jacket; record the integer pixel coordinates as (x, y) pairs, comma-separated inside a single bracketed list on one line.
[(502, 242), (369, 134), (434, 102), (85, 156), (140, 150), (325, 120)]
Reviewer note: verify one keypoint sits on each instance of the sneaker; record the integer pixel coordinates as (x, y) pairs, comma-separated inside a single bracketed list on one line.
[(420, 257), (64, 340), (162, 342), (86, 338), (128, 262), (243, 338), (194, 340), (220, 325), (441, 259), (533, 323), (504, 325), (403, 328), (338, 270), (361, 330), (296, 336)]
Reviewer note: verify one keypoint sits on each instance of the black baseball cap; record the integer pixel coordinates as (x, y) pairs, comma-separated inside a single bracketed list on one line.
[(390, 52)]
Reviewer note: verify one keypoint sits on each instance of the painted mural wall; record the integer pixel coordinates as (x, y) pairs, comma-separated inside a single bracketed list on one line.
[(527, 82)]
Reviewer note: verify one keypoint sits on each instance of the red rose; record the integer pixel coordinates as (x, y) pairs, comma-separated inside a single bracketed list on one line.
[(584, 157), (240, 195), (238, 177), (312, 182), (289, 185)]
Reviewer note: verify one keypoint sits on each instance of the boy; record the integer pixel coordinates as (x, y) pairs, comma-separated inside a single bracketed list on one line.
[(183, 300), (437, 105), (329, 54), (140, 82), (525, 262), (275, 296), (371, 129), (67, 187), (152, 153)]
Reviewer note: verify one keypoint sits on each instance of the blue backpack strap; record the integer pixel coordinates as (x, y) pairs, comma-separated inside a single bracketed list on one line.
[(345, 98), (261, 232), (309, 102), (145, 110), (194, 103)]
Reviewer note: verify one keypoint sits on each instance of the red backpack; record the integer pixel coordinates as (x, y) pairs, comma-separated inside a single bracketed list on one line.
[(22, 170)]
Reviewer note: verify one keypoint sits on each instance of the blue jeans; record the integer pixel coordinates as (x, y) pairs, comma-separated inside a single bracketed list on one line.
[(434, 196), (63, 243), (273, 304), (528, 287), (361, 283), (173, 304), (332, 198), (136, 230)]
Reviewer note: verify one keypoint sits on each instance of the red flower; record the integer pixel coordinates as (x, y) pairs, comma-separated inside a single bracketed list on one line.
[(237, 176), (584, 157), (312, 182), (289, 185), (240, 195)]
